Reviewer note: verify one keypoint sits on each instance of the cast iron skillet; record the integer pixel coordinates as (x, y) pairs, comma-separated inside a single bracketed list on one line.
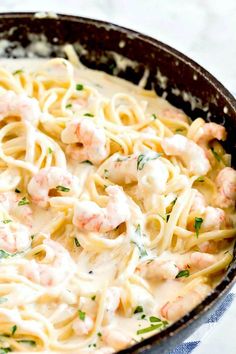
[(95, 42)]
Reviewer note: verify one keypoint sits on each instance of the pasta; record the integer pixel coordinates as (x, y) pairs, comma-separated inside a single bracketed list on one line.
[(117, 211)]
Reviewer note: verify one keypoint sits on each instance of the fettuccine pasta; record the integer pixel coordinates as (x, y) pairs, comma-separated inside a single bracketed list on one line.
[(117, 210)]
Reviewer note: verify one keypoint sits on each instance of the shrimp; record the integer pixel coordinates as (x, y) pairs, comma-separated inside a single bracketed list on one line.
[(201, 260), (89, 216), (174, 310), (210, 131), (51, 274), (83, 327), (14, 237), (159, 269), (226, 188), (92, 138), (49, 179), (9, 201), (115, 338), (146, 169), (12, 104), (190, 153), (213, 218)]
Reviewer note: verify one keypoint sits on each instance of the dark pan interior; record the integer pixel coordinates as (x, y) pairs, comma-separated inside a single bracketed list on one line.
[(182, 82)]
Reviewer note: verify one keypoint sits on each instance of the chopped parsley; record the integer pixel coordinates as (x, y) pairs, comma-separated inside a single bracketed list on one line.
[(2, 300), (143, 316), (62, 189), (93, 298), (81, 315), (154, 319), (30, 342), (23, 201), (6, 221), (20, 71), (5, 350), (154, 116), (200, 179), (179, 130), (76, 241), (4, 254), (79, 87), (138, 309), (99, 334), (183, 273), (13, 330), (17, 190), (149, 329), (69, 105), (88, 115), (138, 242), (216, 155), (49, 150), (144, 158), (197, 225), (87, 161)]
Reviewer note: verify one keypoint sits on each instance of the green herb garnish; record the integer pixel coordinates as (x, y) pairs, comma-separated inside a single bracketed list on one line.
[(20, 71), (81, 315), (179, 130), (69, 105), (62, 189), (183, 273), (216, 155), (99, 334), (144, 158), (138, 309), (93, 297), (88, 115), (23, 201), (154, 319), (79, 87), (6, 221), (5, 350), (154, 116), (87, 161), (149, 329), (76, 242), (200, 179), (49, 150), (32, 343), (4, 254), (197, 225), (13, 330), (138, 242)]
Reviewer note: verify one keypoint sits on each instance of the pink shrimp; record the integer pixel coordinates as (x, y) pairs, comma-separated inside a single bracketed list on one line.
[(226, 188), (159, 269), (15, 105), (10, 202), (199, 202), (173, 310), (52, 178), (211, 131), (54, 273), (14, 237), (89, 216), (189, 152), (92, 138), (115, 338), (82, 327)]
